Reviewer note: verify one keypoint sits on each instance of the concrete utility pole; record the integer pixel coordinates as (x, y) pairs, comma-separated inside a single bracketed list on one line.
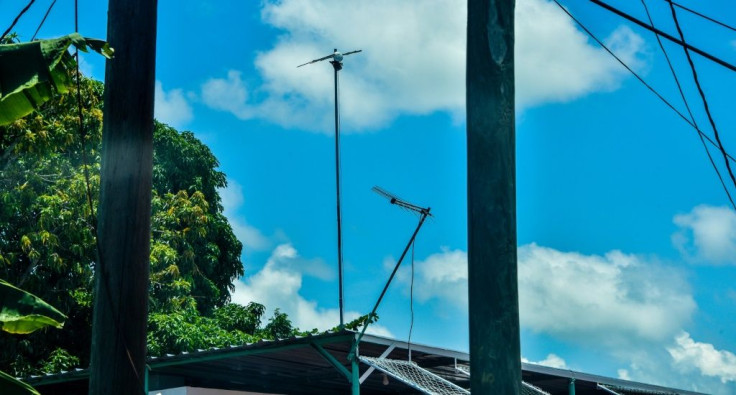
[(121, 288), (495, 360)]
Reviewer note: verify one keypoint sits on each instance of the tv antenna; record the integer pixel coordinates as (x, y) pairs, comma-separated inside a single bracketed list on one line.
[(337, 65), (423, 214)]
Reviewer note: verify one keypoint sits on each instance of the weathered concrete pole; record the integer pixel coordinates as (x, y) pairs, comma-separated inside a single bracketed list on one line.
[(495, 361), (121, 288)]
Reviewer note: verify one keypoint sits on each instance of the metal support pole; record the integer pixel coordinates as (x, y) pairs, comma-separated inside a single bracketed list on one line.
[(352, 355), (495, 360), (571, 389), (338, 66), (355, 381)]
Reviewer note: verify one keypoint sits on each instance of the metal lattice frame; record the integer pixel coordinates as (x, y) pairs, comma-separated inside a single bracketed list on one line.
[(526, 388), (415, 376), (621, 390)]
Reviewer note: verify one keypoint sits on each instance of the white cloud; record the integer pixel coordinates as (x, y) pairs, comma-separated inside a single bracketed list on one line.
[(232, 199), (688, 354), (615, 299), (227, 94), (443, 276), (707, 235), (279, 283), (552, 360), (171, 107), (413, 62)]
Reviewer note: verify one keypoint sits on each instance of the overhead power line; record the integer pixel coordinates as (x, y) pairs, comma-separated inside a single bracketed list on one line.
[(638, 77), (687, 106), (682, 7), (665, 35), (12, 25), (702, 96), (46, 15)]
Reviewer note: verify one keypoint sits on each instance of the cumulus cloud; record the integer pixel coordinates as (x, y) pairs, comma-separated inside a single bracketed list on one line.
[(688, 354), (707, 235), (616, 299), (232, 199), (229, 94), (552, 360), (278, 285), (171, 107), (683, 362), (413, 62)]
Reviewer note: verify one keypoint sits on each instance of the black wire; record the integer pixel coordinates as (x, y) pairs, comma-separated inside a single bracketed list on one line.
[(48, 11), (411, 298), (702, 95), (100, 263), (702, 16), (687, 106), (17, 18), (638, 77), (664, 34)]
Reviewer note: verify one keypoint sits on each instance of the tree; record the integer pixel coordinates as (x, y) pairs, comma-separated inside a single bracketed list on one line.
[(47, 238)]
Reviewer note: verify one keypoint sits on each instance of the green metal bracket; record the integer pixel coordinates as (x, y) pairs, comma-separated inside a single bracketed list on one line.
[(332, 360)]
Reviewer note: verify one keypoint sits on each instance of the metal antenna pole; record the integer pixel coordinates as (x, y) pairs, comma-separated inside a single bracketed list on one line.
[(423, 214), (338, 66)]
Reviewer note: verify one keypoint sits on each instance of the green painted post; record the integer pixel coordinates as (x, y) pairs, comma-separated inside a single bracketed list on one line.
[(495, 359), (355, 381), (571, 390)]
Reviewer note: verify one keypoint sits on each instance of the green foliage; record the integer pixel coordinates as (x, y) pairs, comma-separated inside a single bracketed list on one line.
[(279, 326), (47, 240), (188, 331), (22, 312), (58, 361), (11, 386), (235, 317), (33, 71), (358, 323)]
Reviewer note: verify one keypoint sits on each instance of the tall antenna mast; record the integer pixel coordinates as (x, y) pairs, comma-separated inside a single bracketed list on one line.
[(337, 65)]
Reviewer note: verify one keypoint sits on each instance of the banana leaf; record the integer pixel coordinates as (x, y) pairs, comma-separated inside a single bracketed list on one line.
[(23, 312), (30, 72), (9, 385)]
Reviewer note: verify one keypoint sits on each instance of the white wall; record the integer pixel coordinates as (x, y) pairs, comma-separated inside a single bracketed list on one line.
[(201, 391)]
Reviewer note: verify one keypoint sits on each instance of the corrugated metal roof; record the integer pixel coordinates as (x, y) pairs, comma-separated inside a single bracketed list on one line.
[(293, 365)]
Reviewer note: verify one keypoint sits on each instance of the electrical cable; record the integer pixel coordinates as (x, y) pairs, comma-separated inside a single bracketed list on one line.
[(17, 18), (638, 77), (85, 165), (411, 298), (665, 35), (48, 11), (702, 15), (702, 95), (687, 106)]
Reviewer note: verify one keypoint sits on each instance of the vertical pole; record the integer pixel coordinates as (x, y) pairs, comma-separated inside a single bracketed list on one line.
[(571, 388), (338, 66), (495, 361), (121, 288), (355, 381)]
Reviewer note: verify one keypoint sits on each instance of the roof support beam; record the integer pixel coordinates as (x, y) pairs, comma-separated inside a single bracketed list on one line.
[(332, 360), (371, 369)]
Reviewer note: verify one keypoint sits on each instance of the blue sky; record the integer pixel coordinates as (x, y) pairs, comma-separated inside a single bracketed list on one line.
[(627, 247)]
